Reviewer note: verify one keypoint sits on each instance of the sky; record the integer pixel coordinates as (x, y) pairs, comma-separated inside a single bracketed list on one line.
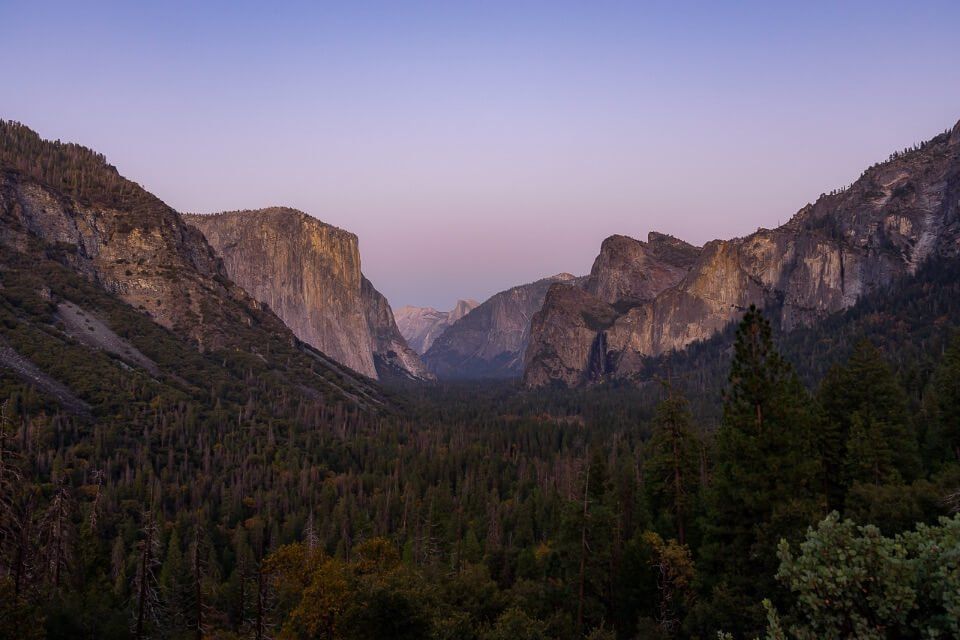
[(473, 146)]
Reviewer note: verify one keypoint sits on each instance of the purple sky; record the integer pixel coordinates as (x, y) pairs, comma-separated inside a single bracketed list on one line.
[(477, 146)]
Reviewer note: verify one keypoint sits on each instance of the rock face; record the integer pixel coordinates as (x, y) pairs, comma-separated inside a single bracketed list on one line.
[(392, 356), (629, 271), (847, 244), (308, 272), (65, 212), (490, 340), (420, 326), (126, 239), (571, 328)]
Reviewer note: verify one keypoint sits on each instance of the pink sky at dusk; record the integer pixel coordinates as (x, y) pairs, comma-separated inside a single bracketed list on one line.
[(475, 147)]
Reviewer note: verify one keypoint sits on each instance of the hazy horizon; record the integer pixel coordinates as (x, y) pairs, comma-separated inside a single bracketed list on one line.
[(472, 149)]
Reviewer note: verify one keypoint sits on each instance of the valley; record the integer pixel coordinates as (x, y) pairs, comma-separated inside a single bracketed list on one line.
[(215, 426)]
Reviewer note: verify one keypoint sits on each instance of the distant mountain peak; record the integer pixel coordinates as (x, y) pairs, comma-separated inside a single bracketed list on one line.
[(420, 326)]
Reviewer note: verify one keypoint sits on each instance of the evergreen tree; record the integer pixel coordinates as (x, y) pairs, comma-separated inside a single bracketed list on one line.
[(766, 478), (867, 436), (672, 469), (588, 532), (849, 581), (174, 583), (58, 536), (946, 392), (11, 483)]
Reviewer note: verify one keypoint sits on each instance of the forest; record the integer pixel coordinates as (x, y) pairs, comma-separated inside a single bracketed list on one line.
[(770, 501)]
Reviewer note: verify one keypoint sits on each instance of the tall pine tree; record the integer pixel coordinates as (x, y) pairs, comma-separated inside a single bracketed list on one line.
[(766, 482), (672, 469), (946, 394)]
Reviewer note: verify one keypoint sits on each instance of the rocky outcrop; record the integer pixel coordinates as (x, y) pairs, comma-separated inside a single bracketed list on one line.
[(392, 356), (308, 273), (489, 342), (570, 336), (629, 271), (830, 253), (156, 262), (124, 238), (420, 326)]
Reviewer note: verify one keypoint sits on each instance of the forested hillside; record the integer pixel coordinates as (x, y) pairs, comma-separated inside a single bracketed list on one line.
[(478, 512)]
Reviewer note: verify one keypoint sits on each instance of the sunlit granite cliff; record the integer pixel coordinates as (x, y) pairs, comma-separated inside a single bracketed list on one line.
[(308, 272)]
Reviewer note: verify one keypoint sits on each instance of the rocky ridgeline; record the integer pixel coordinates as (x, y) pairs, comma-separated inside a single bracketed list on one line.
[(645, 299), (122, 237)]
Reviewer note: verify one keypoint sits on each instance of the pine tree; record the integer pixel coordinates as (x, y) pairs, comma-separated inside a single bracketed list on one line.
[(588, 533), (58, 536), (946, 390), (766, 479), (672, 470), (11, 481), (202, 569), (174, 582), (118, 566), (866, 431)]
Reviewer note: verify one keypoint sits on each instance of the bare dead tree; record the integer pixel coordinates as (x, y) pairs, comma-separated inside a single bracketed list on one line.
[(57, 536), (202, 607), (310, 536), (22, 537), (145, 579), (952, 501), (259, 625), (97, 478), (264, 605), (584, 549), (10, 481)]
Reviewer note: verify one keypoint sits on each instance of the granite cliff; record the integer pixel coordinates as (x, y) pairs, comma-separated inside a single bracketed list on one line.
[(845, 245), (92, 262), (490, 340), (392, 357), (308, 273), (628, 271), (420, 326)]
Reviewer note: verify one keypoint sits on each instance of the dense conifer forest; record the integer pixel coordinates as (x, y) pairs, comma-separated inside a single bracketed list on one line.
[(215, 506)]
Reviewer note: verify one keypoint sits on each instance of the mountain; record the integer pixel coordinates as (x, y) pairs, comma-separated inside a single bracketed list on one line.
[(100, 274), (308, 272), (489, 341), (847, 244), (392, 357), (628, 271), (422, 325)]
